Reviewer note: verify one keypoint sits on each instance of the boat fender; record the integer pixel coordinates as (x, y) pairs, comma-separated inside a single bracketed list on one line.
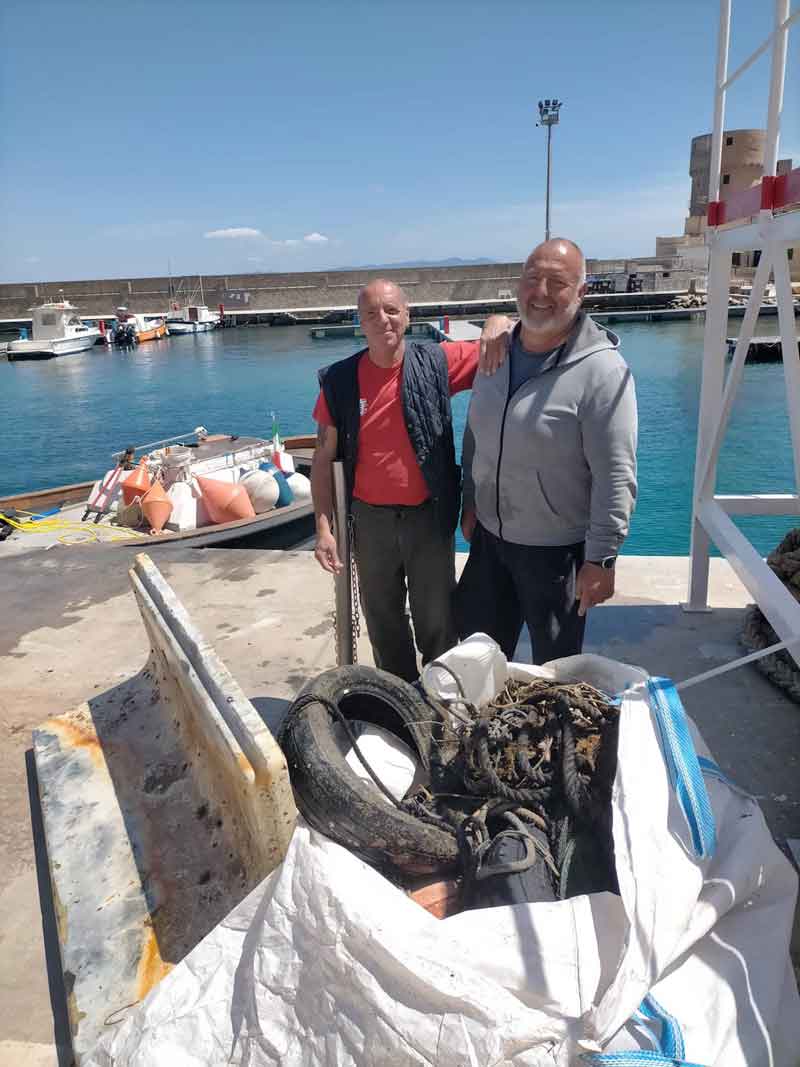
[(285, 495), (262, 488), (300, 486), (185, 500), (225, 502)]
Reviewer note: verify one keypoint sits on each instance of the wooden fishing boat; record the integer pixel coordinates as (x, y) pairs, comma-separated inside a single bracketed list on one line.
[(84, 512), (133, 328)]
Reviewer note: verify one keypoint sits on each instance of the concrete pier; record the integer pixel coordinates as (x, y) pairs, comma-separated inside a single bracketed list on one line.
[(70, 631)]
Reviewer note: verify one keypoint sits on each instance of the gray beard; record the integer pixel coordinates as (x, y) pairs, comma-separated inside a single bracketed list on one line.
[(554, 324)]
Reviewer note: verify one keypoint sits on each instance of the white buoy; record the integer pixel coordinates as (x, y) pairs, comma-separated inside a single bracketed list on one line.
[(300, 486), (262, 489)]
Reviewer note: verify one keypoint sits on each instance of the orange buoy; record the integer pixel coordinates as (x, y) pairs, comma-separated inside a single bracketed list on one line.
[(157, 507), (137, 483), (225, 502)]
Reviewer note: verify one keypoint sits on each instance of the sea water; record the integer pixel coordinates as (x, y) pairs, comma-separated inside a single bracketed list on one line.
[(61, 419)]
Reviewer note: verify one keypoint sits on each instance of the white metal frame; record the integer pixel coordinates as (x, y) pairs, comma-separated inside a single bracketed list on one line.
[(772, 233)]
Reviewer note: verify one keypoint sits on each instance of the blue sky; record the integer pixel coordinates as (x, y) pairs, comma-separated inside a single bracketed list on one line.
[(326, 134)]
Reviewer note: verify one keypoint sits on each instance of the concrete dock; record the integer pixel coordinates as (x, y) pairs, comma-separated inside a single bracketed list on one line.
[(70, 630)]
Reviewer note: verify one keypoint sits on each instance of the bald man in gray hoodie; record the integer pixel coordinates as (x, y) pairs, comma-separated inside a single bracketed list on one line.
[(549, 467)]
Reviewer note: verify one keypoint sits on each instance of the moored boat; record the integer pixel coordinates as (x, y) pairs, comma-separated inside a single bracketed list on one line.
[(133, 327), (219, 488), (194, 318), (57, 331)]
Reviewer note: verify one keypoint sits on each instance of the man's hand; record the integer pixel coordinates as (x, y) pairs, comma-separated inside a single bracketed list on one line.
[(593, 585), (468, 520), (495, 338), (326, 554)]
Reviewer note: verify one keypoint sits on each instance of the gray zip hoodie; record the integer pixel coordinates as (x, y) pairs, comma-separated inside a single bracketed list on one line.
[(555, 463)]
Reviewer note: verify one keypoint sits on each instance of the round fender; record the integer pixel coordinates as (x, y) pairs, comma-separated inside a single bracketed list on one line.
[(334, 800)]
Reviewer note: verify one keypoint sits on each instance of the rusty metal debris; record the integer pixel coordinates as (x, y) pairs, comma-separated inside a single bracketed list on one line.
[(538, 763)]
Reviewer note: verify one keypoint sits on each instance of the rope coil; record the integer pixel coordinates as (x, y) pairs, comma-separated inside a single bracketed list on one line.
[(779, 667)]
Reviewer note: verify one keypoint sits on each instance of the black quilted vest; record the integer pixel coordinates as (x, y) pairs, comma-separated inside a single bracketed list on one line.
[(425, 395)]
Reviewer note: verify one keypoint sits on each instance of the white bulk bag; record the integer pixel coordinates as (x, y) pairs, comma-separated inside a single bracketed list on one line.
[(328, 963)]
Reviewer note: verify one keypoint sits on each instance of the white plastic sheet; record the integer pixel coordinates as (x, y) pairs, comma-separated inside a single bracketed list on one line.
[(327, 963)]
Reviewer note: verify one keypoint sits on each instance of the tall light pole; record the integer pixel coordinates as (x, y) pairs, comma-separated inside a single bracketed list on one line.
[(548, 116)]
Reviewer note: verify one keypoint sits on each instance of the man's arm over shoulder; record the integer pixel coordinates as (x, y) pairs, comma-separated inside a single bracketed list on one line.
[(484, 356), (462, 363), (609, 429)]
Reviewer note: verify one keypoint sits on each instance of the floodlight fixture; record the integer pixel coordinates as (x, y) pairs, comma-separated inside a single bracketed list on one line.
[(548, 116)]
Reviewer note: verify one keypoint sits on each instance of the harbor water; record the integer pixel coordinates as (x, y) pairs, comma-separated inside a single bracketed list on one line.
[(61, 419)]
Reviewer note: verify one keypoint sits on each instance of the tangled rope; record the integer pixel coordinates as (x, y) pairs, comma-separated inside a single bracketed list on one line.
[(779, 667), (540, 757), (66, 531)]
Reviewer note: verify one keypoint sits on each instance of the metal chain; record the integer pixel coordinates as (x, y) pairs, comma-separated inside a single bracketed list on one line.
[(355, 629), (354, 597)]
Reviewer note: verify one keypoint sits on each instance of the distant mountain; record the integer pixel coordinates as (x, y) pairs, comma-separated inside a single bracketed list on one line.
[(454, 261)]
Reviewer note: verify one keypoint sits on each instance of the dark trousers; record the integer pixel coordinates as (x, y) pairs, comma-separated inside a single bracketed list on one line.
[(403, 550), (504, 585)]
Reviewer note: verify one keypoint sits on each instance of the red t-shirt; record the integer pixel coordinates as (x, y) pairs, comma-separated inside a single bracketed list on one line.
[(387, 471)]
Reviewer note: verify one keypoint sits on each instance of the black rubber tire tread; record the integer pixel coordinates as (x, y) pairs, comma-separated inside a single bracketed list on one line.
[(335, 801)]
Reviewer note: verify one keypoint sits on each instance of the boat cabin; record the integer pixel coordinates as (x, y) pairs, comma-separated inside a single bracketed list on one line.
[(192, 313), (51, 322)]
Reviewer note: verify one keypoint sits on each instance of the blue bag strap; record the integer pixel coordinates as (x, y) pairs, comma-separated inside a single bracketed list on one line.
[(668, 1051), (683, 765), (639, 1058)]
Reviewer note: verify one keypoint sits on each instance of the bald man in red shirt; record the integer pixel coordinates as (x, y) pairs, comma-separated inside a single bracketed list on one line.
[(404, 492)]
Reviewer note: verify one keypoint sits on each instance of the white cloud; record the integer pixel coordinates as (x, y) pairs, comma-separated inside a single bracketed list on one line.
[(235, 232), (255, 259), (315, 238)]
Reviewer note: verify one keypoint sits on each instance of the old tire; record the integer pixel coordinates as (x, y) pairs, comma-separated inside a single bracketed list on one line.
[(335, 801)]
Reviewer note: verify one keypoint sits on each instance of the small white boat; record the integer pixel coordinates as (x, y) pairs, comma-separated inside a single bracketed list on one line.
[(194, 318), (57, 331)]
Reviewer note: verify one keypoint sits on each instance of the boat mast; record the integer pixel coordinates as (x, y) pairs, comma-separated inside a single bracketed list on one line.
[(202, 298)]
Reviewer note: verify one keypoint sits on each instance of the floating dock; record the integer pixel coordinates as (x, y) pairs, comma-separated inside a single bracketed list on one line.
[(761, 350)]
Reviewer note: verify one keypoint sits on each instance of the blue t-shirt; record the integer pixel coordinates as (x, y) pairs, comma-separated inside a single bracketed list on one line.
[(524, 364)]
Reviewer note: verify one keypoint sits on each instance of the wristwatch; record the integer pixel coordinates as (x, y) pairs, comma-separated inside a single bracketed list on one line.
[(607, 562)]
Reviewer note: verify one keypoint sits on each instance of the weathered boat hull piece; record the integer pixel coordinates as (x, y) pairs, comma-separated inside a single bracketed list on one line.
[(165, 800)]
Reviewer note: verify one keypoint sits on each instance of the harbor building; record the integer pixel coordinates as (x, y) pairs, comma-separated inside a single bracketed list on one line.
[(742, 168)]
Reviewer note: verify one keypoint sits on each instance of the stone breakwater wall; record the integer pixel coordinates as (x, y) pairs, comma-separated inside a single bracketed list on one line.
[(264, 292), (302, 295)]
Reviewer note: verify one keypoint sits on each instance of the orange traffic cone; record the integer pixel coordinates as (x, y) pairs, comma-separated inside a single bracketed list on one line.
[(225, 502), (157, 507), (137, 483)]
